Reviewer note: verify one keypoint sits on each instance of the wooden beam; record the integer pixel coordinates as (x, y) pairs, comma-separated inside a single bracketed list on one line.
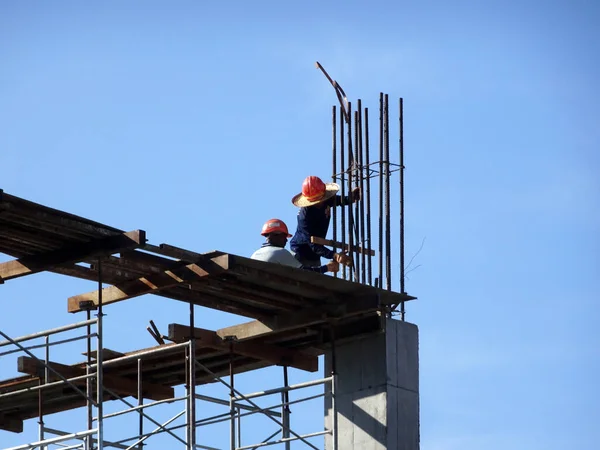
[(179, 272), (107, 354), (71, 254), (263, 352), (346, 247), (9, 423), (300, 319), (117, 384)]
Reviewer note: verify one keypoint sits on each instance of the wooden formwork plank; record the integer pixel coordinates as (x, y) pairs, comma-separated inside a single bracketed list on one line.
[(9, 423), (300, 319), (70, 254), (260, 351), (179, 272), (117, 384)]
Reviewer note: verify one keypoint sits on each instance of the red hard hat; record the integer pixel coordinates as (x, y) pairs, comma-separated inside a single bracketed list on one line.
[(275, 226), (313, 188)]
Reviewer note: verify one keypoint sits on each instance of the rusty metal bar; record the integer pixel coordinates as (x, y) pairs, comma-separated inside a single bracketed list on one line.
[(356, 213), (367, 194), (349, 206), (334, 161), (401, 162), (361, 185), (342, 188), (381, 270), (388, 255)]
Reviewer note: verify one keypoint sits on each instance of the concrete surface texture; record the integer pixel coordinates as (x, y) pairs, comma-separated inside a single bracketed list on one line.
[(377, 390)]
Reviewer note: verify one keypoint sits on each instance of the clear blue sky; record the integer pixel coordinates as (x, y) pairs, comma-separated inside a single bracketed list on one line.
[(197, 121)]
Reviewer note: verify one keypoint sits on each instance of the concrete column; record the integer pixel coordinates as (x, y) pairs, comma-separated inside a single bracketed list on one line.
[(377, 390)]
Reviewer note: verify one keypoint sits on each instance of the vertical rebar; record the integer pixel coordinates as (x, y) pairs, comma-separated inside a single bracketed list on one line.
[(349, 206), (343, 189), (361, 185), (356, 213), (285, 410), (99, 362), (401, 162), (140, 394), (388, 250), (381, 120), (367, 194), (334, 161), (192, 380)]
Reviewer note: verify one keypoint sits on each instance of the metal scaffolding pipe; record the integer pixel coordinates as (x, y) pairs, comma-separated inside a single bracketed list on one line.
[(220, 380), (142, 407), (281, 441), (289, 388), (99, 361), (140, 394), (53, 344), (45, 363), (192, 380), (48, 332), (54, 440), (145, 415)]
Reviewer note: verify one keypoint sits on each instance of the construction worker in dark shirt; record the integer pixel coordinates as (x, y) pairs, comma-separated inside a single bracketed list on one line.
[(315, 202)]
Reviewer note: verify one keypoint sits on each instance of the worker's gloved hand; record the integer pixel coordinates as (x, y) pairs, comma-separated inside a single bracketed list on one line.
[(333, 266), (355, 194), (342, 258)]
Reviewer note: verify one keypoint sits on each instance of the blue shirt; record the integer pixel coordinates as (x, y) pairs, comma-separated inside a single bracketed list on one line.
[(314, 221)]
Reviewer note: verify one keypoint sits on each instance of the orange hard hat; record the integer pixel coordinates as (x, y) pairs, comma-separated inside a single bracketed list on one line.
[(313, 188), (275, 226), (314, 191)]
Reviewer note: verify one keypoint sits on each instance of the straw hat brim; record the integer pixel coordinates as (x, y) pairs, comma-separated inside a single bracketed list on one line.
[(301, 201)]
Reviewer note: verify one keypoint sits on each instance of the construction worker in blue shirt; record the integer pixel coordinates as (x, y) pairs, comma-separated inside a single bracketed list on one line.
[(276, 232), (315, 202)]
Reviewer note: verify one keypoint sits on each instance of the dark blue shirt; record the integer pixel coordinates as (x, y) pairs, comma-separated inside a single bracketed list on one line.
[(314, 221)]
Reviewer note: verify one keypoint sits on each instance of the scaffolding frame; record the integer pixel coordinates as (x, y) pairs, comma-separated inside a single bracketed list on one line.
[(240, 405)]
